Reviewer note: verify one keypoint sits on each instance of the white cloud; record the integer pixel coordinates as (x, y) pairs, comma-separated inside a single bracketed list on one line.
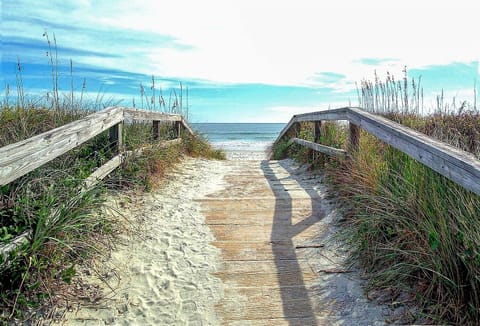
[(273, 42)]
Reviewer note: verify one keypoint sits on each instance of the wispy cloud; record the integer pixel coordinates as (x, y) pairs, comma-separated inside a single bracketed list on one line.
[(377, 61), (248, 54), (81, 34), (267, 42), (32, 48)]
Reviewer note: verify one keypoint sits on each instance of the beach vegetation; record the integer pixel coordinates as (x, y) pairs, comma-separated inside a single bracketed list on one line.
[(59, 224), (280, 150), (415, 233), (196, 146)]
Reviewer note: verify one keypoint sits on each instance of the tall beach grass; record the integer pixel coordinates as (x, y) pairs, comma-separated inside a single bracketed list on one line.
[(67, 227), (414, 232)]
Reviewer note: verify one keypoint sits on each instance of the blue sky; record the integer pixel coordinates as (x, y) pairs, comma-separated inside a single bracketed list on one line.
[(243, 61)]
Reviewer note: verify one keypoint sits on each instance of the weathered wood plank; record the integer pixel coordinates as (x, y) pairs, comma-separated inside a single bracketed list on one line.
[(255, 232), (255, 250), (241, 217), (272, 304), (103, 171), (291, 275), (329, 115), (150, 115), (275, 302), (257, 204), (20, 158), (320, 148), (249, 251), (288, 321), (267, 267)]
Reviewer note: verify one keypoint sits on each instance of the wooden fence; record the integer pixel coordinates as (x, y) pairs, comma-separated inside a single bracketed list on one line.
[(25, 156), (451, 162)]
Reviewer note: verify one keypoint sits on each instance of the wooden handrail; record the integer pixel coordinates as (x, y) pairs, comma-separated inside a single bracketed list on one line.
[(25, 156), (22, 157), (457, 165), (135, 114), (320, 148)]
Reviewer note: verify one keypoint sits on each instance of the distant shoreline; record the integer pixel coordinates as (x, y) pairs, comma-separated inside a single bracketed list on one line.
[(241, 137)]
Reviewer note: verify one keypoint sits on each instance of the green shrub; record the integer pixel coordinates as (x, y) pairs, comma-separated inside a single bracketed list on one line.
[(280, 150)]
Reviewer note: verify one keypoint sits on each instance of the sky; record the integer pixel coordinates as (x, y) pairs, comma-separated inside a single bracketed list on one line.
[(242, 61)]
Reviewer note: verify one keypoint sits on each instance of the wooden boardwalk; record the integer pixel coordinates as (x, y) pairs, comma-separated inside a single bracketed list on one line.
[(266, 222)]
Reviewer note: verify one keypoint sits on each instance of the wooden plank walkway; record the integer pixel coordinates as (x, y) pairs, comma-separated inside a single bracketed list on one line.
[(266, 222)]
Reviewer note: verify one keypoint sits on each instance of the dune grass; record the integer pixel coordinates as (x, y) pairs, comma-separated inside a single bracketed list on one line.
[(66, 225), (415, 233)]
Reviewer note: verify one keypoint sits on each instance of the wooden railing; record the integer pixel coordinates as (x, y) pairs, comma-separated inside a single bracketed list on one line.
[(451, 162), (25, 156)]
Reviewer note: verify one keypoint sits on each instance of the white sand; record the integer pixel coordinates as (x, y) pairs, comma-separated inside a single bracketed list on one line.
[(165, 275)]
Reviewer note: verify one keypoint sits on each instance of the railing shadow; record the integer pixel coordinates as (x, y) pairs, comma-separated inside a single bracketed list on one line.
[(294, 294)]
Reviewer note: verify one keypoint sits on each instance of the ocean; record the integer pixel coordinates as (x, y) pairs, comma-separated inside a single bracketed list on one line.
[(255, 137)]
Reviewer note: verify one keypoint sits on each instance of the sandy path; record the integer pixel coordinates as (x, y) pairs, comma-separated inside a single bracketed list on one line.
[(165, 271), (165, 276)]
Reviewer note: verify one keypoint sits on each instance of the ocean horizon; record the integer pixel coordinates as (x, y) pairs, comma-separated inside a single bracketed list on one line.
[(256, 137)]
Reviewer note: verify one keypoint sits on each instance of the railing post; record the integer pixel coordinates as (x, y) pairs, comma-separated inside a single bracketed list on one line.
[(354, 137), (316, 136), (116, 139), (178, 128), (156, 129), (296, 129), (318, 124)]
